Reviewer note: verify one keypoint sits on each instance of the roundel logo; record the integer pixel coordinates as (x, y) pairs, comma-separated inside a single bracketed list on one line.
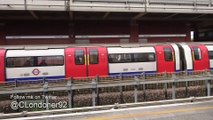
[(35, 71)]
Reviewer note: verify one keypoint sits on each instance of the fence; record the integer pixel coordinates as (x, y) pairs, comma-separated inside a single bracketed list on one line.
[(178, 6), (135, 84)]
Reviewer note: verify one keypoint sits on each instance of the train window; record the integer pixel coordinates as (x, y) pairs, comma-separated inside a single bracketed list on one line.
[(168, 54), (20, 62), (138, 57), (35, 61), (93, 56), (151, 57), (126, 58), (210, 54), (143, 57), (131, 57), (79, 57), (112, 58), (197, 53), (50, 61), (119, 58)]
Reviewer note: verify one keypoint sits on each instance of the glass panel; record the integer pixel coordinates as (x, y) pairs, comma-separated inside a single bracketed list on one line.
[(131, 57), (143, 57), (168, 54), (20, 62), (79, 57), (151, 57), (138, 57), (35, 61), (126, 58), (197, 53), (210, 54), (112, 58), (93, 56), (119, 58), (50, 61)]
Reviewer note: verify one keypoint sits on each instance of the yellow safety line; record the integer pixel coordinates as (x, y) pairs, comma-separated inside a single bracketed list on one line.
[(150, 113)]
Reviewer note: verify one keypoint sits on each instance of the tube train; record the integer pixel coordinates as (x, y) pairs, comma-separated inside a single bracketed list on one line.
[(22, 64)]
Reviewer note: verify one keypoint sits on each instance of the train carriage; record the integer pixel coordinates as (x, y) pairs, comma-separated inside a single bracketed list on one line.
[(89, 61), (35, 64)]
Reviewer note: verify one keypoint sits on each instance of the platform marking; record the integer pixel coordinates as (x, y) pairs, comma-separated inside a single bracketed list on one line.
[(150, 113)]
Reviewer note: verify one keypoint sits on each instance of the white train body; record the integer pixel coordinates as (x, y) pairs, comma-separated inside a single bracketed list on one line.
[(133, 67), (20, 71)]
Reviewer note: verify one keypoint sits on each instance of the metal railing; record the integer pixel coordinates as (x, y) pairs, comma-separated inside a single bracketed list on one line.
[(124, 89), (177, 6)]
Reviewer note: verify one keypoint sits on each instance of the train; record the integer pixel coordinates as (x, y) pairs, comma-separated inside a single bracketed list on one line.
[(87, 61)]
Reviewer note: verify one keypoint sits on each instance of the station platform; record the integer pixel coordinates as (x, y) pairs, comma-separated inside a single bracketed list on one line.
[(180, 111)]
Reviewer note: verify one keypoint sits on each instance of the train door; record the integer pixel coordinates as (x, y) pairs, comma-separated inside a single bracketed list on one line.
[(75, 62), (200, 57), (210, 53), (97, 61), (2, 65), (185, 57), (83, 62), (165, 59), (176, 57)]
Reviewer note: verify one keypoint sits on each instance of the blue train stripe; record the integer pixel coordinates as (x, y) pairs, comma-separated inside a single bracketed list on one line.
[(133, 73), (35, 78), (146, 72)]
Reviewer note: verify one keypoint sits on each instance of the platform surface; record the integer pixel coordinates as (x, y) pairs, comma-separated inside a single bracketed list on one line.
[(180, 111)]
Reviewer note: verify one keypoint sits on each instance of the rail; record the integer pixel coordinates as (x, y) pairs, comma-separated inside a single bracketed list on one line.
[(172, 6)]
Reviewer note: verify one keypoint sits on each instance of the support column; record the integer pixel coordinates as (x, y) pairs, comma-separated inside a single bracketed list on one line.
[(196, 33), (188, 32), (71, 33), (2, 35), (134, 32)]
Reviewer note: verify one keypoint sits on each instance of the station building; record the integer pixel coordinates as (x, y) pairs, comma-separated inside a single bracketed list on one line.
[(34, 22)]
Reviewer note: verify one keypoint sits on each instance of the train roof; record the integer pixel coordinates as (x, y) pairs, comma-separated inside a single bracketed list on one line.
[(62, 46)]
